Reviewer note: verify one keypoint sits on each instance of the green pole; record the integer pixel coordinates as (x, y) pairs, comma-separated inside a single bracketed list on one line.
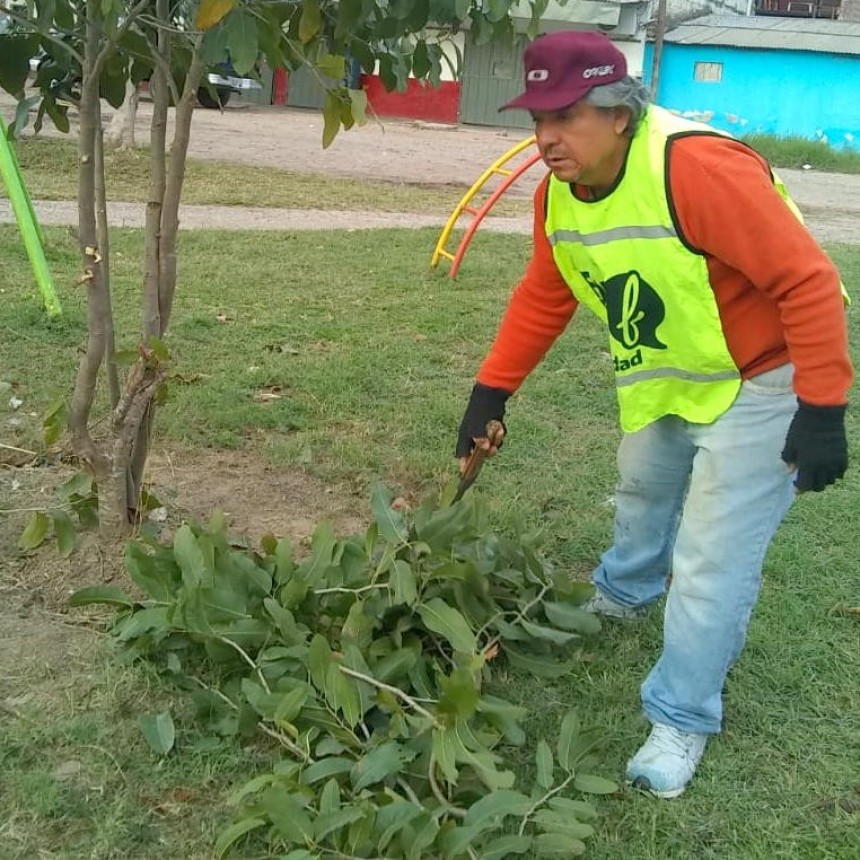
[(22, 206)]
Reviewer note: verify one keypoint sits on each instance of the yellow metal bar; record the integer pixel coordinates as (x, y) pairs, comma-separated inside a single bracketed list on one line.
[(462, 206)]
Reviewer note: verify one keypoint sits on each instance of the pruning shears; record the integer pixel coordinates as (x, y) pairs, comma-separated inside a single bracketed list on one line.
[(495, 433)]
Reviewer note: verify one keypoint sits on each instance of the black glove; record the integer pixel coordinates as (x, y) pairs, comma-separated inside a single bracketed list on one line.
[(485, 404), (816, 445)]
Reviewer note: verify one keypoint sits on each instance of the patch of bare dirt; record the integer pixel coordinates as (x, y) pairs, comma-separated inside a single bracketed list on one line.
[(256, 497)]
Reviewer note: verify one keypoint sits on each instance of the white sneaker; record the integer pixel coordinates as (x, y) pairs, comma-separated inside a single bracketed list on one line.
[(667, 761), (600, 604)]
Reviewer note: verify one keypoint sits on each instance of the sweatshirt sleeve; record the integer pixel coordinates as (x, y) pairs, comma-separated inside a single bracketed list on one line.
[(728, 208), (539, 310)]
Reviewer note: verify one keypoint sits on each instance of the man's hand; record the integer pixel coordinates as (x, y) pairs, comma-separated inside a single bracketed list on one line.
[(816, 446), (485, 404)]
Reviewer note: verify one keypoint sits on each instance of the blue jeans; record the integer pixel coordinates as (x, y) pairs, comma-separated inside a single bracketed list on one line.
[(702, 502)]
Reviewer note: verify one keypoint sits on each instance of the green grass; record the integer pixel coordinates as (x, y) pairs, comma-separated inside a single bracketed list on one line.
[(374, 354), (49, 168), (798, 151)]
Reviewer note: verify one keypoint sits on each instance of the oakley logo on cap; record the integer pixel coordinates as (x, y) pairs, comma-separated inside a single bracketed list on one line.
[(537, 75), (598, 71)]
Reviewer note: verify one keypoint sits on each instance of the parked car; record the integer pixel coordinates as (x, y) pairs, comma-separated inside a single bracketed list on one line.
[(222, 85)]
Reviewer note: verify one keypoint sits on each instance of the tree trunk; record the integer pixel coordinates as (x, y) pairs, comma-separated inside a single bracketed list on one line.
[(98, 305), (120, 132), (659, 38)]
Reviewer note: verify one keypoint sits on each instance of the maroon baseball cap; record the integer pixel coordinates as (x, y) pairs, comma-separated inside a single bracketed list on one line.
[(562, 67)]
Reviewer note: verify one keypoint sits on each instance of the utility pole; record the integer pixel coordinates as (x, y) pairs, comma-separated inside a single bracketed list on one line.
[(659, 34)]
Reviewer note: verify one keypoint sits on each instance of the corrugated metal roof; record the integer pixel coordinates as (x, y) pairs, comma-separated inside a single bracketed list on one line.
[(771, 33)]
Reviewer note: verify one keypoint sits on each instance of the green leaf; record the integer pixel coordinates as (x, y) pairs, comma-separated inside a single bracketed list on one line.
[(392, 818), (538, 666), (140, 623), (573, 808), (496, 806), (332, 66), (108, 594), (284, 564), (388, 521), (544, 762), (287, 814), (341, 693), (323, 543), (329, 822), (445, 753), (358, 101), (159, 731), (591, 784), (572, 590), (551, 821), (291, 704), (443, 619), (558, 845), (35, 532), (242, 40), (446, 525), (456, 840), (15, 61), (379, 764), (566, 745), (504, 846), (325, 768), (229, 837), (330, 798), (459, 694), (64, 532), (557, 637), (426, 826), (311, 21), (420, 60), (461, 8), (191, 560), (503, 715), (146, 573), (57, 418), (396, 665), (570, 617), (80, 484), (405, 583)]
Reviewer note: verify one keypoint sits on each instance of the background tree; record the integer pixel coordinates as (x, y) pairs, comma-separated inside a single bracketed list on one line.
[(89, 50)]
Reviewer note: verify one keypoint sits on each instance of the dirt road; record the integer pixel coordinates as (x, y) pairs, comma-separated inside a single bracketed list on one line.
[(418, 153), (425, 154)]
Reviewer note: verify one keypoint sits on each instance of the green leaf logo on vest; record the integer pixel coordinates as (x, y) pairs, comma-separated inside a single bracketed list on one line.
[(634, 311)]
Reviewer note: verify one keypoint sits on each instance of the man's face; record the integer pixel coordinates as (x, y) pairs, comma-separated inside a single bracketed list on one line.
[(583, 144)]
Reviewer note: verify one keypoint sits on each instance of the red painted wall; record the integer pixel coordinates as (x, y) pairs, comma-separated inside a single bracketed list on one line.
[(419, 101), (280, 81)]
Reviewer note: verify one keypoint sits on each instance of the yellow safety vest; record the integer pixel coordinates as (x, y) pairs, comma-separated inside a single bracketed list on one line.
[(622, 257)]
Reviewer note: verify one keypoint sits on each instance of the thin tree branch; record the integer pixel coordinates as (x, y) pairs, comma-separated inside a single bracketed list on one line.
[(173, 186), (109, 46), (103, 238), (541, 801), (281, 739), (439, 794), (368, 679), (19, 450)]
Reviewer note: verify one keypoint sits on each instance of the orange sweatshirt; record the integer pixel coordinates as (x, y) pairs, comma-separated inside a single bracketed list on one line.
[(777, 292)]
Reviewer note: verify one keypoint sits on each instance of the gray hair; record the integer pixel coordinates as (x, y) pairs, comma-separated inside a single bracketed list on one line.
[(627, 93)]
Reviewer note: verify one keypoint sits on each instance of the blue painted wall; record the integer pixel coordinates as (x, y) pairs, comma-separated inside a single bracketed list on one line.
[(811, 95)]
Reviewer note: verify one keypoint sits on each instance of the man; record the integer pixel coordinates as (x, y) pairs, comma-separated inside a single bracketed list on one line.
[(728, 338)]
